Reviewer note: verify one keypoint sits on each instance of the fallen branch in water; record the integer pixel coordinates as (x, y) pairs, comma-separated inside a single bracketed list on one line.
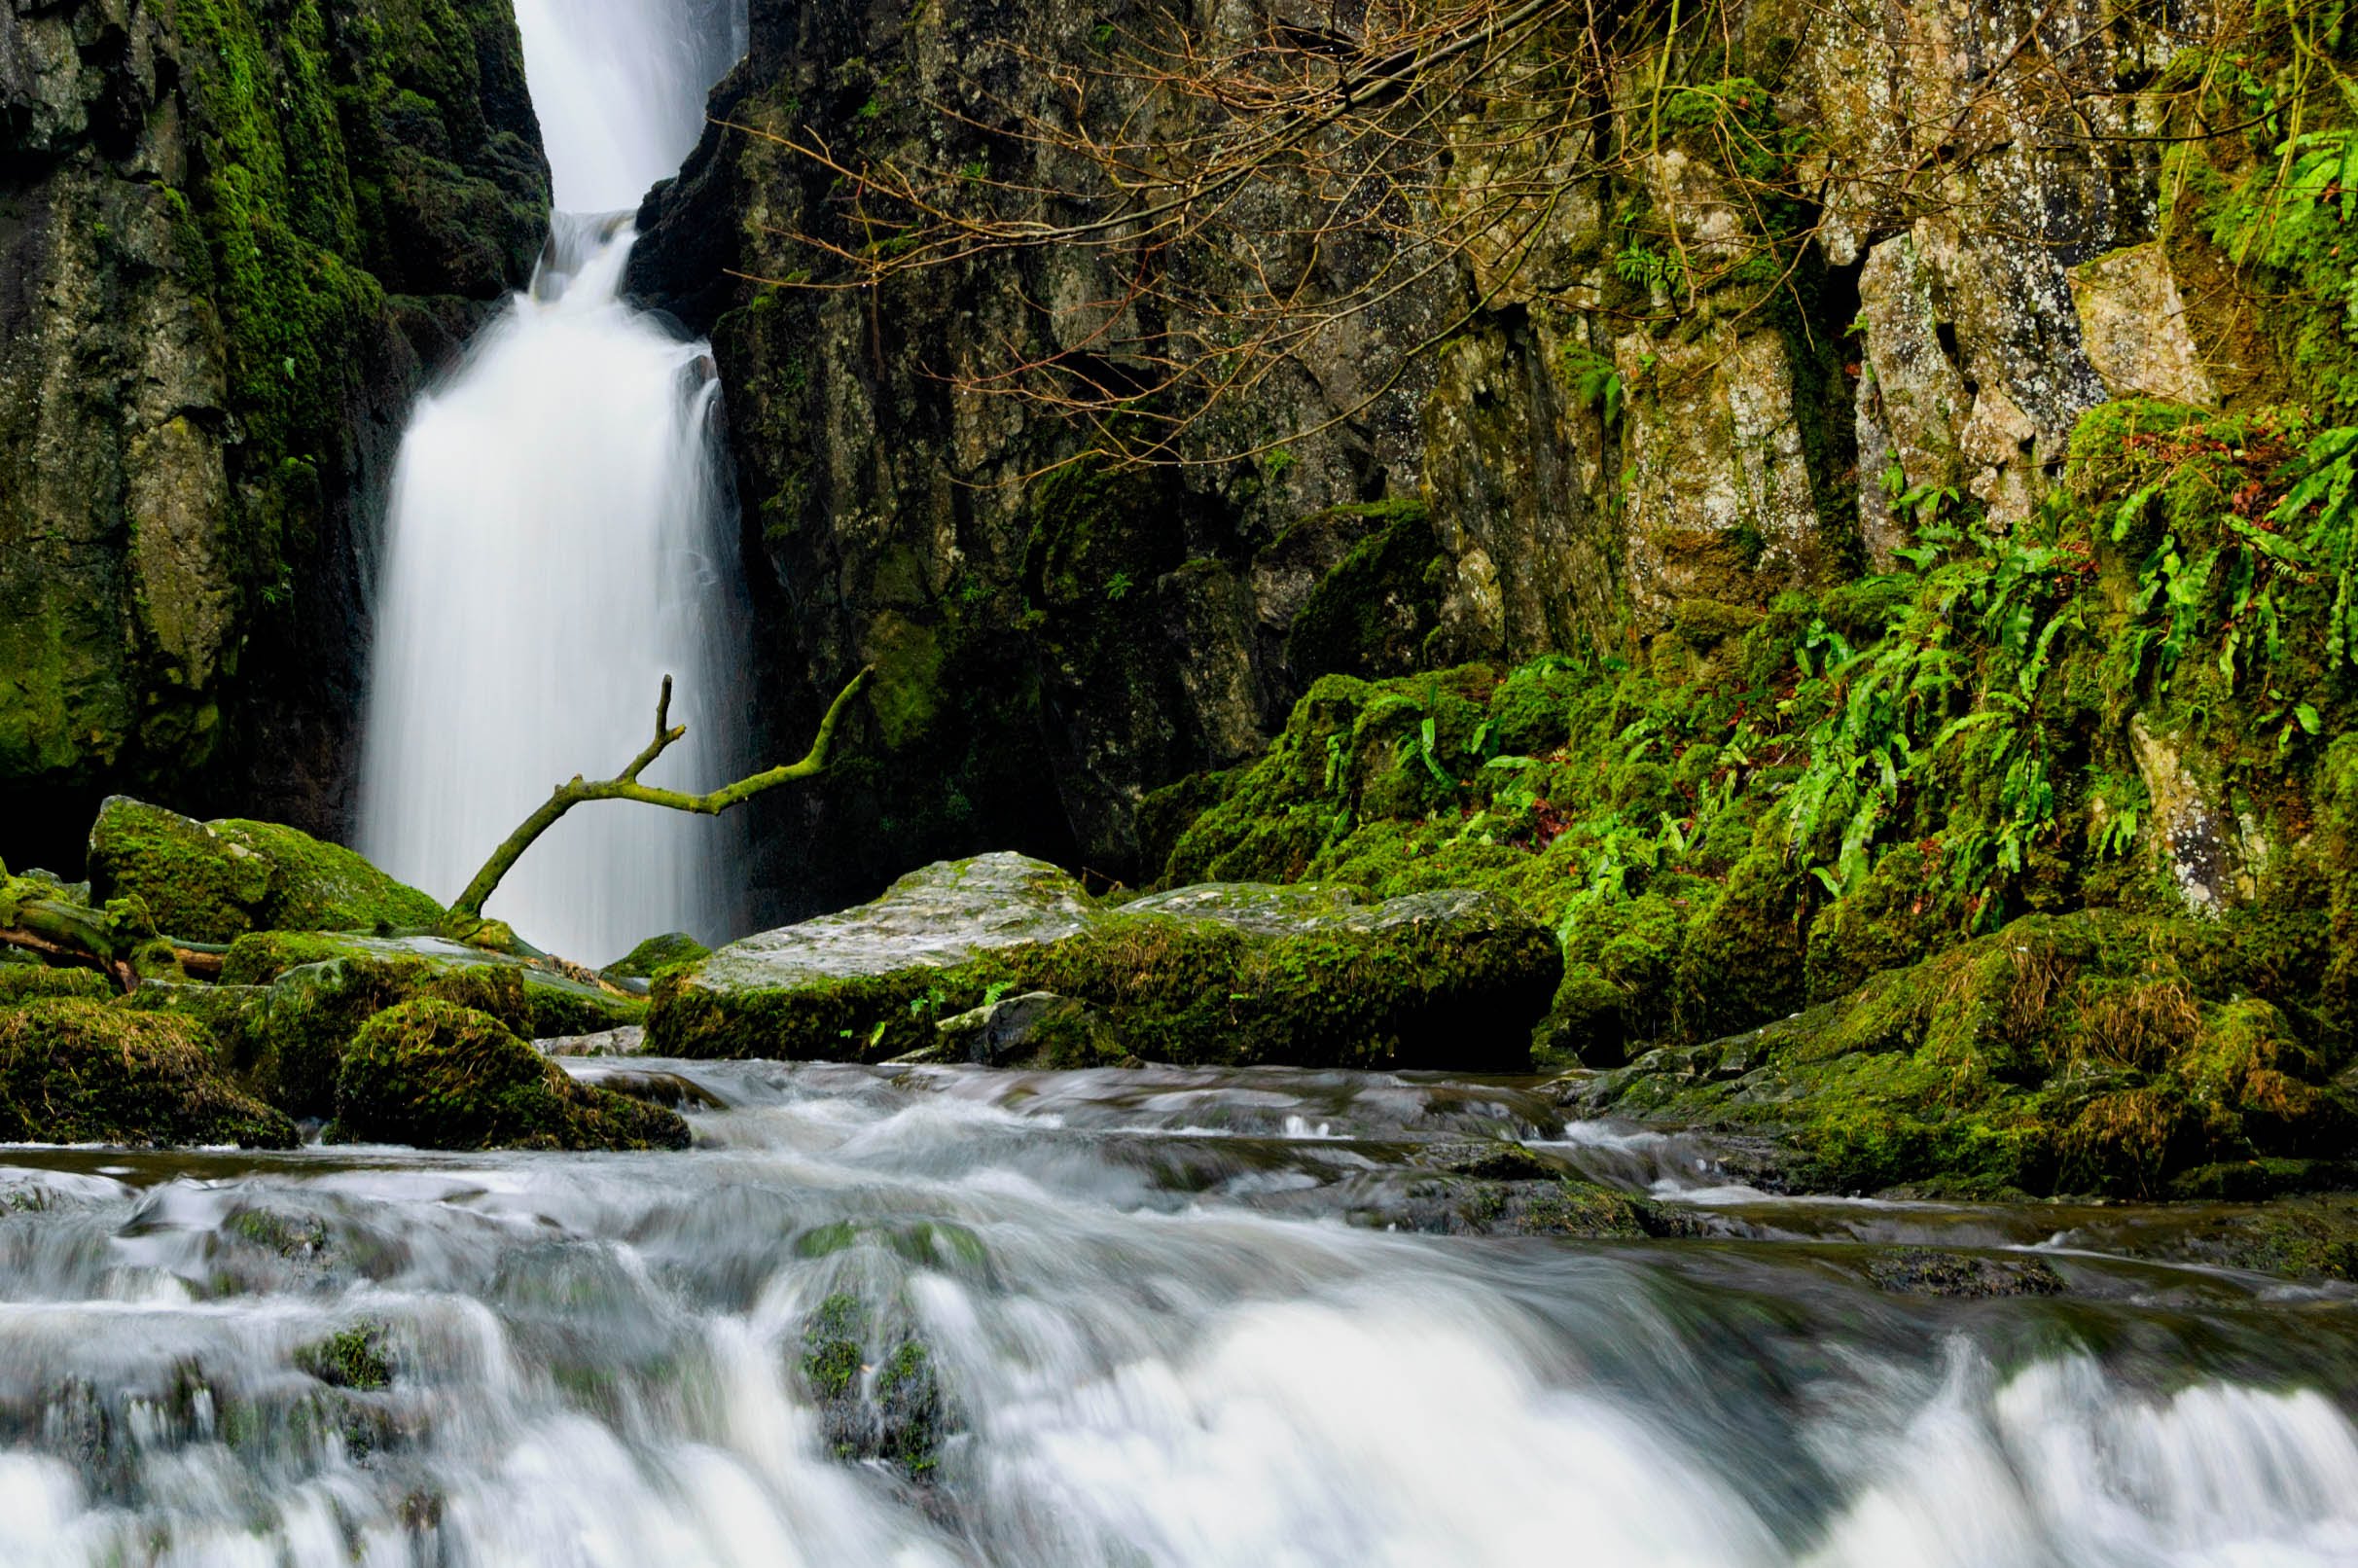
[(465, 921)]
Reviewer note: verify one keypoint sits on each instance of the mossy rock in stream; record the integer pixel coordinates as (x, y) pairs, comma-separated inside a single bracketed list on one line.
[(291, 1002), (79, 1071), (877, 1395), (1221, 974), (439, 1075), (2096, 1052), (214, 882)]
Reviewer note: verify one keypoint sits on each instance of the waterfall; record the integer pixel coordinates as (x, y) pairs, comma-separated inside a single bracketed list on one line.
[(558, 537)]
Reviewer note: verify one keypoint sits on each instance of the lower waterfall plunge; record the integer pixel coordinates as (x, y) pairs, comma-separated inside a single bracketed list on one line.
[(557, 541)]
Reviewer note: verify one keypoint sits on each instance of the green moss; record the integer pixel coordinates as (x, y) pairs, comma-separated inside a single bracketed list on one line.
[(657, 953), (831, 1346), (77, 1071), (214, 882), (1904, 909), (441, 1076), (259, 957), (1370, 614), (320, 886), (353, 1358), (2094, 1052), (897, 1416), (26, 982)]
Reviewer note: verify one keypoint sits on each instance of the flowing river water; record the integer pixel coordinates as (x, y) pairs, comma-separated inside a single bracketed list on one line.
[(1161, 1316)]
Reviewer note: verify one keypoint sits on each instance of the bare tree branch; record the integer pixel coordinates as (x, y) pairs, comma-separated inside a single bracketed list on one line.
[(466, 914)]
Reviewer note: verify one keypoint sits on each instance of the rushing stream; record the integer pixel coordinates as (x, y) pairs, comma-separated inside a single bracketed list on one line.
[(1160, 1320), (559, 539)]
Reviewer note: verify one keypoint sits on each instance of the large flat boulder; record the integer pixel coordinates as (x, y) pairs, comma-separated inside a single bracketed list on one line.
[(1225, 972)]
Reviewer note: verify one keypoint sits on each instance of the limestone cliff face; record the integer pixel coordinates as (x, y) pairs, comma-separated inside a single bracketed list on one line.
[(235, 236), (1977, 197)]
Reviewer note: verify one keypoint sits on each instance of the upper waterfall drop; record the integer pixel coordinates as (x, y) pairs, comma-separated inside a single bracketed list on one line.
[(619, 86), (558, 537)]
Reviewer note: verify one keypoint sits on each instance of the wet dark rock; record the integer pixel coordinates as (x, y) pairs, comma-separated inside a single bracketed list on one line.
[(1498, 1160), (232, 247), (1037, 1029), (877, 1396), (1917, 1271), (1478, 1206)]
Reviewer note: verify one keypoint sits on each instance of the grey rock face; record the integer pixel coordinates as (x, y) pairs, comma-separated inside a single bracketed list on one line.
[(231, 248), (1047, 688)]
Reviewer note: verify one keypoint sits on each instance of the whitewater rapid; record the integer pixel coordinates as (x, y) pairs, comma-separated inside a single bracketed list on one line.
[(559, 539), (1157, 1342)]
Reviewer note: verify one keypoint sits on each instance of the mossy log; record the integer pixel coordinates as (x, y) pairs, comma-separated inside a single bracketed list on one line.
[(465, 921)]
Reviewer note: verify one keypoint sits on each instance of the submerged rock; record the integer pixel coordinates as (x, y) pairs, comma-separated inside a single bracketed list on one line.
[(1917, 1271), (1233, 974), (76, 1071), (888, 1408), (440, 1076), (215, 881)]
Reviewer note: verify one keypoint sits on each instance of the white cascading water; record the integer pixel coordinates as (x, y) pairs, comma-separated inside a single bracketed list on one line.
[(1148, 1328), (556, 538)]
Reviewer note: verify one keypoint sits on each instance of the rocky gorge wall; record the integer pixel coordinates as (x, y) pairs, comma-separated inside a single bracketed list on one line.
[(1657, 408), (235, 237)]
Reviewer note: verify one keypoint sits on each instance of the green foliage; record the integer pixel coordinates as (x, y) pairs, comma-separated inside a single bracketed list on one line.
[(2279, 199), (1765, 807), (1594, 380), (1954, 683), (1658, 271)]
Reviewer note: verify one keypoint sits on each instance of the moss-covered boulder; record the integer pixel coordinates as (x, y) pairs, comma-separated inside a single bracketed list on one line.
[(76, 1071), (288, 1003), (440, 1076), (2097, 1053), (310, 993), (655, 953), (214, 882), (1214, 974)]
